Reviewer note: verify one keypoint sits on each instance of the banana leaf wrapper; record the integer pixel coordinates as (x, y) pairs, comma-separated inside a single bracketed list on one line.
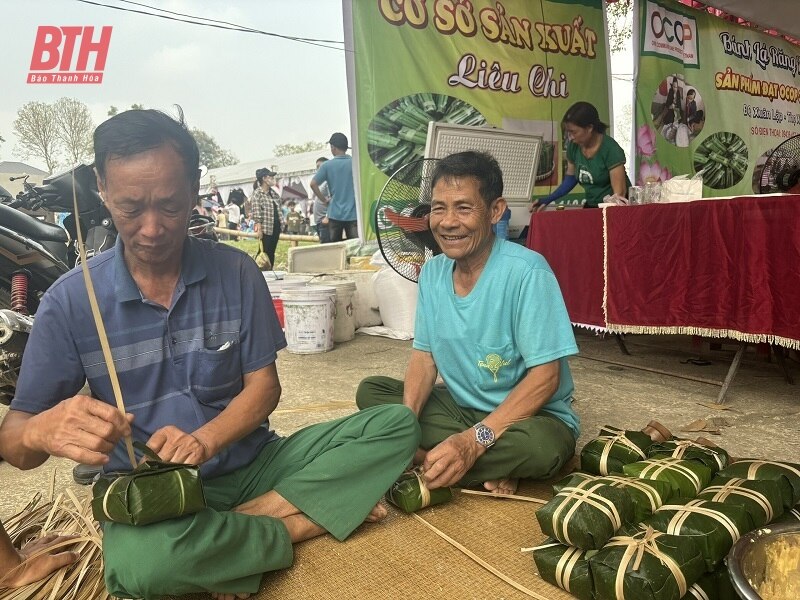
[(409, 494), (786, 474), (648, 565), (686, 478), (565, 567), (790, 516), (761, 498), (154, 491), (715, 458), (646, 496), (585, 517), (612, 449), (713, 526), (713, 586)]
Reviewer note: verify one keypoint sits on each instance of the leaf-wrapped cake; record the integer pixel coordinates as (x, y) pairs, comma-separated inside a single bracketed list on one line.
[(713, 586), (648, 565), (706, 453), (790, 516), (713, 526), (612, 449), (687, 478), (760, 498), (155, 491), (410, 494), (585, 517), (786, 474), (646, 495), (566, 567)]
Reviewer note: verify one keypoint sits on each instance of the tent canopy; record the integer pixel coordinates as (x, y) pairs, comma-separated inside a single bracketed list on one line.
[(781, 15)]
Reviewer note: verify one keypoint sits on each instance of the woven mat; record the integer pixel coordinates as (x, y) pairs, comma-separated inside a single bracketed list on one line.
[(401, 558)]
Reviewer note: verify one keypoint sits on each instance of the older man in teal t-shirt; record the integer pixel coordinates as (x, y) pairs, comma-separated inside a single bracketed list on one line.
[(491, 321)]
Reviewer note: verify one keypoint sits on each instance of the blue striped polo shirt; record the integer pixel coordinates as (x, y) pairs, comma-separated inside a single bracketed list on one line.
[(179, 366)]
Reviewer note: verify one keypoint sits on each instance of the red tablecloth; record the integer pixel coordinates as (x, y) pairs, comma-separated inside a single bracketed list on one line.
[(572, 242), (722, 268)]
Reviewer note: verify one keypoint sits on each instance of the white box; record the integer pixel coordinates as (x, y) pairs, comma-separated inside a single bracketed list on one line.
[(318, 258)]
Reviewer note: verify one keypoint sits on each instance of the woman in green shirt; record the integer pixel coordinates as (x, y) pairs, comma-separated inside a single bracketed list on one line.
[(594, 159)]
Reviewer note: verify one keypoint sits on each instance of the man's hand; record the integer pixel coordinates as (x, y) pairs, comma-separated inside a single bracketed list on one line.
[(38, 559), (81, 428), (448, 462), (173, 445)]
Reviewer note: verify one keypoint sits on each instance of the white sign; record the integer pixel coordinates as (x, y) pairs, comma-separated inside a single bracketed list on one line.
[(670, 34)]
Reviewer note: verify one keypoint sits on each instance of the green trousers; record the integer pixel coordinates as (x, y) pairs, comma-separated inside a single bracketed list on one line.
[(534, 448), (333, 472)]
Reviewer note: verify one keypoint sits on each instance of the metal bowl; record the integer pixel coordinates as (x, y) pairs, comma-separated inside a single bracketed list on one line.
[(747, 559)]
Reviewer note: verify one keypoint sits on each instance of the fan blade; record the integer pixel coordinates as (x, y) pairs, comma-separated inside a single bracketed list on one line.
[(407, 223)]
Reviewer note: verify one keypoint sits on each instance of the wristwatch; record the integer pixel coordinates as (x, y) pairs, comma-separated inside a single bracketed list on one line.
[(484, 435)]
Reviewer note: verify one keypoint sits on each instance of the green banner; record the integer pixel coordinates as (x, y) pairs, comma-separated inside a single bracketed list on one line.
[(516, 64), (711, 97)]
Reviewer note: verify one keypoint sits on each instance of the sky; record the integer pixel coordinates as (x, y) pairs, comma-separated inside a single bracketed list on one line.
[(250, 92)]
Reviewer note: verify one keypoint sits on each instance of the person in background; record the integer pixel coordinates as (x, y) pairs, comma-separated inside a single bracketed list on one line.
[(501, 227), (321, 208), (294, 219), (338, 172), (199, 209), (594, 159), (267, 214), (234, 215)]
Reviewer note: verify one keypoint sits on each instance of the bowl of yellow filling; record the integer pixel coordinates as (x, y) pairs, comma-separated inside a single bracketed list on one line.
[(765, 564)]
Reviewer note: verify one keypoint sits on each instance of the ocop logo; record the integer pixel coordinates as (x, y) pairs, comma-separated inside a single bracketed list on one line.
[(670, 34), (55, 48)]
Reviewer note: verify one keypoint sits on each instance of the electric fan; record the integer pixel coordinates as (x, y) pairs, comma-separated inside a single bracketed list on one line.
[(781, 172), (401, 219)]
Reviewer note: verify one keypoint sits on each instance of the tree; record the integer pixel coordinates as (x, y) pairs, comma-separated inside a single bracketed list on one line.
[(113, 110), (36, 128), (287, 149), (620, 24), (211, 154), (74, 129)]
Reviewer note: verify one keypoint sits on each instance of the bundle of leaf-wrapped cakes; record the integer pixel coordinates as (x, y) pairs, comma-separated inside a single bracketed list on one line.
[(652, 517)]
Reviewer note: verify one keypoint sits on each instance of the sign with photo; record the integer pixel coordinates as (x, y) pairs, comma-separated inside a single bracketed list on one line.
[(514, 64), (712, 97)]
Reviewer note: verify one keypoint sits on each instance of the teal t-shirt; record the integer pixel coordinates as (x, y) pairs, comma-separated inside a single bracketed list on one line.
[(338, 173), (513, 319), (593, 173)]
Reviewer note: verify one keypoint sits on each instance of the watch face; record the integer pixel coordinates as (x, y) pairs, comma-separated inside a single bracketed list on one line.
[(484, 435)]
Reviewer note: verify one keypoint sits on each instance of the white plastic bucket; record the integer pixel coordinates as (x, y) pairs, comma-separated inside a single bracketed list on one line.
[(276, 289), (309, 315), (344, 324)]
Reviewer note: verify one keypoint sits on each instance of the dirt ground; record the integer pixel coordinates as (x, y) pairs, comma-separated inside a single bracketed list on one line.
[(760, 418)]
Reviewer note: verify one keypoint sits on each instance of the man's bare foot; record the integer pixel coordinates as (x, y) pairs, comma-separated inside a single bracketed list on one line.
[(377, 513), (502, 486), (217, 596)]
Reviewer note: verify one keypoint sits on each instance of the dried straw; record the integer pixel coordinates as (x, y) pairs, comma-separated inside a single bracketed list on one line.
[(67, 514)]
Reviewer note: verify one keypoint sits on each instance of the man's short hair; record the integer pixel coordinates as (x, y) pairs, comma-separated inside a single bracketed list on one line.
[(480, 165), (135, 131)]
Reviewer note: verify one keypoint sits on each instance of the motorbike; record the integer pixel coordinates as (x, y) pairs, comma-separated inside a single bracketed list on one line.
[(34, 253)]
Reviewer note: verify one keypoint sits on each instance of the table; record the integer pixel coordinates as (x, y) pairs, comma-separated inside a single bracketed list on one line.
[(713, 268)]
